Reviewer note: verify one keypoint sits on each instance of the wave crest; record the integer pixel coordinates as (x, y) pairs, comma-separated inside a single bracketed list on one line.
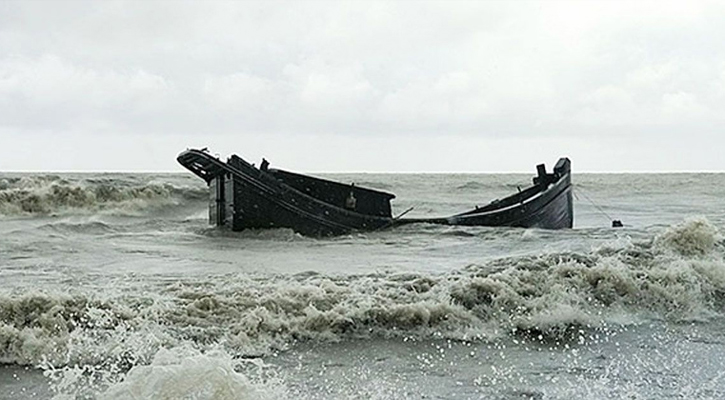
[(48, 194), (548, 297), (37, 327), (694, 236)]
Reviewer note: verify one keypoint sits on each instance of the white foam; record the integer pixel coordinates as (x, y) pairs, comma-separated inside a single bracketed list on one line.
[(548, 294), (31, 195), (187, 374), (105, 334)]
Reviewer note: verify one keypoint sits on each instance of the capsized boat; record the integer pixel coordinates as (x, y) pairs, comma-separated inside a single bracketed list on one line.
[(242, 196)]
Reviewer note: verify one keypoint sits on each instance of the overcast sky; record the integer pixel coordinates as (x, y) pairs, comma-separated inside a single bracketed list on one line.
[(363, 86)]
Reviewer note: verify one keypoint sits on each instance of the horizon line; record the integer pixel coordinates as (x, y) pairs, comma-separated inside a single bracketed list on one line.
[(71, 171)]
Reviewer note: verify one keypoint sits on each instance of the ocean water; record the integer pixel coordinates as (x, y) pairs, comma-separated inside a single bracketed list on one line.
[(113, 286)]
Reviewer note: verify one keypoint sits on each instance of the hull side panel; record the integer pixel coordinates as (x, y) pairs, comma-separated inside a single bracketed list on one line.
[(552, 209), (261, 201)]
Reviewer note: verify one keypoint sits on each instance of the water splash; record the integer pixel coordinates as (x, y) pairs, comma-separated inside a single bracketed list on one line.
[(50, 194)]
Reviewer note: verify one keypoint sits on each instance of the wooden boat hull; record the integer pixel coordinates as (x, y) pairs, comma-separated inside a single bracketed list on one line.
[(245, 197), (546, 205)]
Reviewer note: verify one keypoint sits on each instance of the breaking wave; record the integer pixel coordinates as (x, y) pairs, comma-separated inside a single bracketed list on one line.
[(174, 374), (678, 275), (696, 236), (51, 194)]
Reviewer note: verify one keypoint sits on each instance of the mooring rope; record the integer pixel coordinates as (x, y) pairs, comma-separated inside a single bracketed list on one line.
[(579, 190)]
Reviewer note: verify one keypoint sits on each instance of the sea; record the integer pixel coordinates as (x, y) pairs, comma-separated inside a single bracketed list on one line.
[(114, 286)]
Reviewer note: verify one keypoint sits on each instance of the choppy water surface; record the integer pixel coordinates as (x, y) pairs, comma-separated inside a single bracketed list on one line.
[(113, 286)]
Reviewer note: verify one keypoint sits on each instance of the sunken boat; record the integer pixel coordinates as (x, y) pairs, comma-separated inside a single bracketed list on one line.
[(243, 196)]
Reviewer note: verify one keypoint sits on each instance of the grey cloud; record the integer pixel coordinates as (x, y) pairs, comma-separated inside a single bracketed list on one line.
[(485, 70)]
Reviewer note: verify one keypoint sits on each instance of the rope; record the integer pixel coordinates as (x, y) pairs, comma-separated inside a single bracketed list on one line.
[(577, 189)]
